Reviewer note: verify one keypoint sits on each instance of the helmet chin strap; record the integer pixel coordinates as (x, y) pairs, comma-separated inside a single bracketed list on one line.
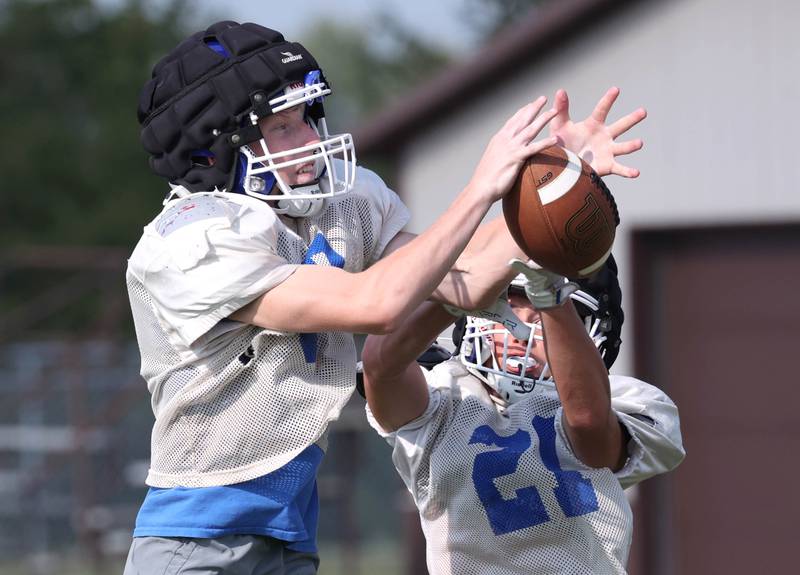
[(304, 208), (300, 208), (511, 389)]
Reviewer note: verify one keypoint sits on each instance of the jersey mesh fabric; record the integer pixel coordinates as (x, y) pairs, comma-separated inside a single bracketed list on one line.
[(479, 518), (242, 401)]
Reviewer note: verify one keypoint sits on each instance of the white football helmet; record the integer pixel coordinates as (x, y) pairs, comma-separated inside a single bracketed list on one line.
[(513, 376), (332, 178)]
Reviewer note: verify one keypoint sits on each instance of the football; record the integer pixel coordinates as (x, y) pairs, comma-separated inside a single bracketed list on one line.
[(561, 214)]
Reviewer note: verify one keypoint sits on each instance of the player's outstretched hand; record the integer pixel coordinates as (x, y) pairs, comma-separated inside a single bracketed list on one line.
[(592, 139), (510, 147), (544, 289)]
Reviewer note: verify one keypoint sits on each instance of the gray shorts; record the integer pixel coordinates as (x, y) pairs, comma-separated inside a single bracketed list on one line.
[(233, 554)]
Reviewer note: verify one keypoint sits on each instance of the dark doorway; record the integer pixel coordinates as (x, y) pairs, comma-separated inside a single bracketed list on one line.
[(717, 326)]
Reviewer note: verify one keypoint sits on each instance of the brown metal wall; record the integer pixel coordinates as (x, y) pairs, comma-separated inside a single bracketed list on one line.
[(718, 328)]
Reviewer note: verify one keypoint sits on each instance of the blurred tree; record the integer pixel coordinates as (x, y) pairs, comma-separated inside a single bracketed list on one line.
[(488, 17), (369, 66), (73, 169)]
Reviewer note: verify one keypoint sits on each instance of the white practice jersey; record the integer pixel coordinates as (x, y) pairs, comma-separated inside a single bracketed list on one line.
[(233, 401), (502, 493)]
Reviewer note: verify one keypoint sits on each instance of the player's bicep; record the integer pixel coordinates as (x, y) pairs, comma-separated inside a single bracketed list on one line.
[(397, 242), (600, 447), (398, 400)]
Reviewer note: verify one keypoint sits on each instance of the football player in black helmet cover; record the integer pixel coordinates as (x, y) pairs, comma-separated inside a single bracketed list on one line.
[(271, 249), (517, 451)]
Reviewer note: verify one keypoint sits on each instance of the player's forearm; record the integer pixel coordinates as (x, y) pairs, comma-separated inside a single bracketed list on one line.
[(481, 273), (400, 282), (394, 384), (576, 365), (583, 388), (377, 299), (387, 356)]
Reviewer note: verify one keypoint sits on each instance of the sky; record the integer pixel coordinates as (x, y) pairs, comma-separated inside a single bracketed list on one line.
[(441, 21)]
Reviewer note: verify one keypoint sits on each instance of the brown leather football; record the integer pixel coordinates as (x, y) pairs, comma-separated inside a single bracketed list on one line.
[(561, 214)]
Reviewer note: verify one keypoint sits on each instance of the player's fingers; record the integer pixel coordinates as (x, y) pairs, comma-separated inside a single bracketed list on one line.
[(526, 114), (527, 134), (561, 104), (603, 107), (624, 171), (538, 145), (624, 124), (622, 148), (515, 119)]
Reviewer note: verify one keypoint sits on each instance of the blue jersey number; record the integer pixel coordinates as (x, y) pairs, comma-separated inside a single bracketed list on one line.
[(573, 492), (320, 246)]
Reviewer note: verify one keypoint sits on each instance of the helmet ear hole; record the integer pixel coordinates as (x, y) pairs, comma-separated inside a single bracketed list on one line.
[(203, 159), (214, 44)]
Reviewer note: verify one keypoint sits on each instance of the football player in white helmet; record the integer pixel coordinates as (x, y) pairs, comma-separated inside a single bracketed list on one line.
[(509, 355), (517, 451), (271, 250)]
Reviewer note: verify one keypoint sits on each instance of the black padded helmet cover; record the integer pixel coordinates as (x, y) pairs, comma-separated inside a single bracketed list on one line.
[(200, 99), (604, 287)]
